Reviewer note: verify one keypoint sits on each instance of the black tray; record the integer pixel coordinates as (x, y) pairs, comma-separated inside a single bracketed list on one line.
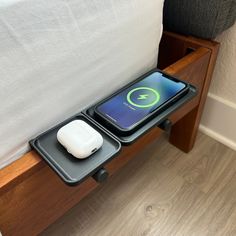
[(70, 169), (156, 121)]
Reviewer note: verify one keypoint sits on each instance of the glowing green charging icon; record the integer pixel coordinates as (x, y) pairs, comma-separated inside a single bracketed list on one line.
[(143, 97)]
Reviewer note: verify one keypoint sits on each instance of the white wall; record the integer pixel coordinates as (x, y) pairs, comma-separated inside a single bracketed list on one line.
[(219, 118)]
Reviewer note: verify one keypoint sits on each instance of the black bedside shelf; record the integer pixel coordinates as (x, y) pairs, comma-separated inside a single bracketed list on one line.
[(73, 171)]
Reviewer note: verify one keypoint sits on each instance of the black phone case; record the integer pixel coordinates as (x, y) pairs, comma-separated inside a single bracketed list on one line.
[(115, 128)]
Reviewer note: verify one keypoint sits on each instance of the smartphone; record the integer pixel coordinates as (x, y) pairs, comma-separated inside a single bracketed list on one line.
[(129, 108)]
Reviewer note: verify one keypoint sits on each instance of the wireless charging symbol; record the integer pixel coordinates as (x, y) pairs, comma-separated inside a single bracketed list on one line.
[(143, 97)]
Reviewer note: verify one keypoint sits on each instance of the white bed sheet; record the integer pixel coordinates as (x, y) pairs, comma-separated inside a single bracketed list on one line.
[(59, 56)]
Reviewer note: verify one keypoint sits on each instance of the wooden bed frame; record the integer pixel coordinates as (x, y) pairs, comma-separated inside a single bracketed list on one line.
[(32, 196)]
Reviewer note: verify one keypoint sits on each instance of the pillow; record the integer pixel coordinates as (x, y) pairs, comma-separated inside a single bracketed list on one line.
[(201, 18)]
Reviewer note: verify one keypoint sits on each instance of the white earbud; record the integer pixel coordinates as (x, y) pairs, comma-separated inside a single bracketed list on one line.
[(79, 138)]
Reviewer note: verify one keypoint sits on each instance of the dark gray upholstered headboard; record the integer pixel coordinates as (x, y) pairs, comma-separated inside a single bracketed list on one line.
[(201, 18)]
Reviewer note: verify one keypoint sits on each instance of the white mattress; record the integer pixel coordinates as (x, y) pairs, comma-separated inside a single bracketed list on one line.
[(59, 56)]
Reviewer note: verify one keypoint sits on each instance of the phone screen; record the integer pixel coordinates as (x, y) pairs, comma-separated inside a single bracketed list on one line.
[(133, 104)]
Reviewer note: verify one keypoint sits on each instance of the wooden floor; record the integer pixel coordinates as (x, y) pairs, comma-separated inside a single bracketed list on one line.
[(162, 192)]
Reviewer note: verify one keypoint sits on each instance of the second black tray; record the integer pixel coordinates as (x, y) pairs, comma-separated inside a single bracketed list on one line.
[(156, 121)]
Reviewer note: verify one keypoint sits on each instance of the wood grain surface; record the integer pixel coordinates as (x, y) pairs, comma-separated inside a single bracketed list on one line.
[(161, 192), (184, 132)]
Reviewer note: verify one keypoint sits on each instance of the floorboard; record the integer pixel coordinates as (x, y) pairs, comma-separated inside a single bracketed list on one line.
[(161, 192)]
